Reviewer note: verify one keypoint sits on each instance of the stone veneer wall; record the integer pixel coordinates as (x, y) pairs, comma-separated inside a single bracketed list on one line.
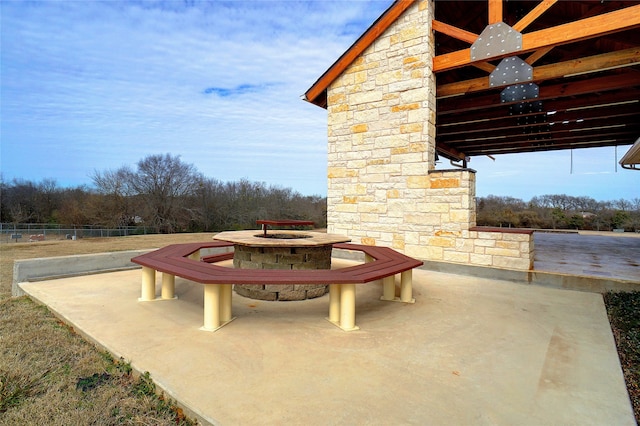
[(382, 186), (287, 258)]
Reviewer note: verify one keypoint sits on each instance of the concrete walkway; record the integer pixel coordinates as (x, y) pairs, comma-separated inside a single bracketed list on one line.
[(595, 254), (469, 351)]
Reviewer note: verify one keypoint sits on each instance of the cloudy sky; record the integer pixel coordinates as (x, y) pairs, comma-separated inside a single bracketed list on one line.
[(88, 85)]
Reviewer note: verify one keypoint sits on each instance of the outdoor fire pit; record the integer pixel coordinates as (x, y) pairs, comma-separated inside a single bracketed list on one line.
[(281, 249)]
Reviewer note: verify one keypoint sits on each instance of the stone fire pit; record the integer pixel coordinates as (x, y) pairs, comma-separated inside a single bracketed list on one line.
[(282, 249)]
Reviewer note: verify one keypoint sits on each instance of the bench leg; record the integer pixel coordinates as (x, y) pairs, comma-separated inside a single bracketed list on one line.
[(168, 286), (217, 306), (406, 290), (195, 256), (211, 307), (148, 292), (225, 303), (334, 303), (388, 288), (406, 287), (348, 307)]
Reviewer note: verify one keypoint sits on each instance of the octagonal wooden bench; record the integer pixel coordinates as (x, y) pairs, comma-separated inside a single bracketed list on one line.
[(184, 260)]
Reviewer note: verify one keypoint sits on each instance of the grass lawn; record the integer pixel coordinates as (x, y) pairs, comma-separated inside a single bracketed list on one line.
[(50, 375)]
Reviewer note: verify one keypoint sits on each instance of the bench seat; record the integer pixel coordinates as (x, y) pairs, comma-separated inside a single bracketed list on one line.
[(183, 260)]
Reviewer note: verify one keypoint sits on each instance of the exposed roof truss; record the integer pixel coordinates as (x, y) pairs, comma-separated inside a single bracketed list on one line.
[(585, 57)]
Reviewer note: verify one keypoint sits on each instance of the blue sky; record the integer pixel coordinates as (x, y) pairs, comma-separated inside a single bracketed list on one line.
[(89, 85)]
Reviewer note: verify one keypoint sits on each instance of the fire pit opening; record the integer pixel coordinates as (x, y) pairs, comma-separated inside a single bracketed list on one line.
[(284, 236)]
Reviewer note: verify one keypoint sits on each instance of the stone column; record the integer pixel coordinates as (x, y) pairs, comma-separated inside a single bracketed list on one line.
[(382, 133)]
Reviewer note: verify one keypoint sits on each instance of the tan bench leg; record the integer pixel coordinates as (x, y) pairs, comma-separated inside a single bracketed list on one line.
[(148, 292), (388, 288), (406, 289), (334, 303), (211, 307), (225, 303), (168, 286), (217, 306), (195, 256), (348, 307)]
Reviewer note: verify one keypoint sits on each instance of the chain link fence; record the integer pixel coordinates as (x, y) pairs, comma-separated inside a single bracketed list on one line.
[(30, 232)]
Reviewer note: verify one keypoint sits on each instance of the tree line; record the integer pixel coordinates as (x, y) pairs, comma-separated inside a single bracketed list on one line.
[(168, 195), (162, 192), (559, 212)]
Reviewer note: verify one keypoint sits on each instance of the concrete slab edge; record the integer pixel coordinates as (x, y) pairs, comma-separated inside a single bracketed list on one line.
[(64, 266), (542, 278)]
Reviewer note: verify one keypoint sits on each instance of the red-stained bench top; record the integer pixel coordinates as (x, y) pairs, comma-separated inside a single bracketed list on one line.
[(282, 222), (174, 260)]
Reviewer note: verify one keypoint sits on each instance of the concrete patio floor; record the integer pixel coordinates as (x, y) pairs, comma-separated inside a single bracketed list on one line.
[(469, 351)]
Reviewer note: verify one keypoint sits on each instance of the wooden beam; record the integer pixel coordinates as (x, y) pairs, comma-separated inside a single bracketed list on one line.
[(518, 130), (495, 11), (485, 66), (455, 32), (601, 84), (511, 122), (357, 48), (533, 15), (589, 64), (594, 101), (583, 29), (450, 152), (533, 58)]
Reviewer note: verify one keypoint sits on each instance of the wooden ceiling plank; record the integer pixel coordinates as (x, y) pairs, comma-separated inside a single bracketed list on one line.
[(583, 29), (495, 11), (576, 88), (577, 66), (455, 32), (515, 122), (525, 142), (533, 15), (532, 129), (596, 101)]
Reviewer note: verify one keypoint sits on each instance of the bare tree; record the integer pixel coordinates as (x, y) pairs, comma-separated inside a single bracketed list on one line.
[(164, 183), (114, 207)]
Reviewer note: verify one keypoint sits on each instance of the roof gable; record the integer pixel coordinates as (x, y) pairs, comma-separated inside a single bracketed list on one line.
[(317, 94)]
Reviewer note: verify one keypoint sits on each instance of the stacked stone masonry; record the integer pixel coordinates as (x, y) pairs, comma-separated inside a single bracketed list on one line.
[(383, 188), (318, 257)]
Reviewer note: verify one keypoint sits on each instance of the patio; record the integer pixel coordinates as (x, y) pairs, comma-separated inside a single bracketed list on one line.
[(469, 351)]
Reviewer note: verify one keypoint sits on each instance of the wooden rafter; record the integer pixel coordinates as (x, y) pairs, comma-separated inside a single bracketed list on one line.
[(546, 72), (533, 15), (629, 98), (583, 29), (601, 84), (495, 11), (504, 124), (455, 32), (538, 54)]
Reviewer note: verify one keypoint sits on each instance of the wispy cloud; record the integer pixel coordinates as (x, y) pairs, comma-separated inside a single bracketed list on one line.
[(97, 84), (90, 85), (241, 89)]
